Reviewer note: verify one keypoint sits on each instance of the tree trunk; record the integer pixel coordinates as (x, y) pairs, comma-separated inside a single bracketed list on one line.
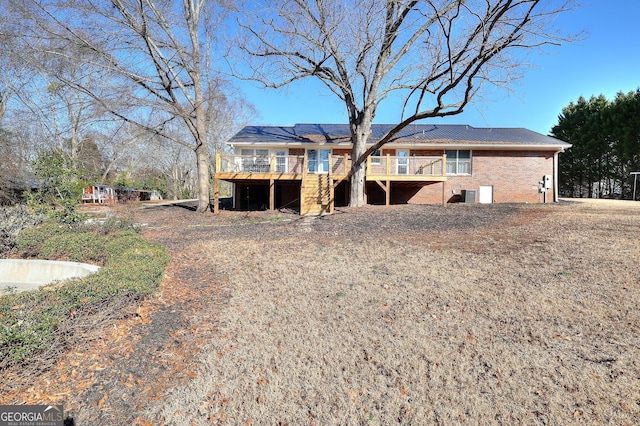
[(356, 196), (359, 135), (174, 183), (202, 158)]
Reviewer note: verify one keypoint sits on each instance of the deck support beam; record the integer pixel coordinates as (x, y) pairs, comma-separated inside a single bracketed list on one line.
[(332, 196), (388, 194), (444, 182), (387, 191), (364, 191), (272, 194), (444, 197), (216, 195)]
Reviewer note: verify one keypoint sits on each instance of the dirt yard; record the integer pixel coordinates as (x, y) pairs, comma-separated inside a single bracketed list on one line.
[(473, 314)]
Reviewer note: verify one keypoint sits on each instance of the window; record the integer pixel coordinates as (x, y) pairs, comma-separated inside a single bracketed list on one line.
[(318, 160), (281, 161), (402, 162), (376, 157), (255, 160), (458, 162)]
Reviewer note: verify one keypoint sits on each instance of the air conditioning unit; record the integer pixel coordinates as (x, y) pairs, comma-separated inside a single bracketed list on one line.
[(469, 195)]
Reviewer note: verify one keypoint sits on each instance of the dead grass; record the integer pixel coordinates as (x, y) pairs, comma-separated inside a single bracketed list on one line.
[(498, 314), (528, 316)]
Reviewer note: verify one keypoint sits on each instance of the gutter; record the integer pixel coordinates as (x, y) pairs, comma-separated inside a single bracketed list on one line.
[(442, 146)]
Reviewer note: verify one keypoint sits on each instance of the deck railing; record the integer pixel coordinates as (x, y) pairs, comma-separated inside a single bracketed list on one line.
[(270, 164), (339, 165), (389, 165)]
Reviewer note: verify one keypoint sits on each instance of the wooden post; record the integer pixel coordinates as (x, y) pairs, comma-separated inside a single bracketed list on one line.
[(368, 166), (388, 193), (303, 206), (444, 182), (348, 182), (218, 162), (444, 164), (388, 164), (330, 171), (216, 193), (331, 189), (272, 194), (304, 165), (364, 192), (345, 164), (444, 201), (272, 163)]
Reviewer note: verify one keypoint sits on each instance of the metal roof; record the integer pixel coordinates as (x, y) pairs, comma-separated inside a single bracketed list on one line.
[(424, 134)]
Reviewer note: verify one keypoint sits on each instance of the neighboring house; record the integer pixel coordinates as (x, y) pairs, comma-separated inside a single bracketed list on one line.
[(105, 194), (304, 167), (100, 194)]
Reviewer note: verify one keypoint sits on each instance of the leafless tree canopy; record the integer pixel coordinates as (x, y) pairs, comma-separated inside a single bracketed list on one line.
[(152, 63), (435, 54), (155, 55)]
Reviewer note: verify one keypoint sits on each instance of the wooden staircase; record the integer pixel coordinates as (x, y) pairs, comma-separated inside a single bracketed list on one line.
[(316, 194)]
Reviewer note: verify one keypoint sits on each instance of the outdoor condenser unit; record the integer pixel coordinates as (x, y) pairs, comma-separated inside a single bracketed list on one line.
[(469, 195)]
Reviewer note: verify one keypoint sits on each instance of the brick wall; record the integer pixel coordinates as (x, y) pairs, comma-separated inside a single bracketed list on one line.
[(514, 176), (296, 151), (426, 153)]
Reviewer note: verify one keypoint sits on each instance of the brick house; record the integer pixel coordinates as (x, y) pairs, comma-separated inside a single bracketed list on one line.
[(304, 167)]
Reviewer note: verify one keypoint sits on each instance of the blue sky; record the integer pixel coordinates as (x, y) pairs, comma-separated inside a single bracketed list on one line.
[(605, 61)]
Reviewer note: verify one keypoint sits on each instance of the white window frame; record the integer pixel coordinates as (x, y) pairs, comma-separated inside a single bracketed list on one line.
[(257, 163), (319, 162), (282, 163), (457, 162), (376, 157), (405, 161)]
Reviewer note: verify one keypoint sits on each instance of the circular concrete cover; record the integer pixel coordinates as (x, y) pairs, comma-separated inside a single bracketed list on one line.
[(23, 275)]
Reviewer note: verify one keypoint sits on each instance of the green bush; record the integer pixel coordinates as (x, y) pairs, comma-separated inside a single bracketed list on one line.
[(30, 240), (117, 243), (30, 322), (60, 191), (86, 247)]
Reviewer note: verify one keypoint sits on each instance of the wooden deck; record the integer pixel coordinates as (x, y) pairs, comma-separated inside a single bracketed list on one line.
[(317, 186)]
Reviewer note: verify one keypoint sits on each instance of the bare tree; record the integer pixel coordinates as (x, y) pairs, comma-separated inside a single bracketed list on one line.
[(227, 118), (13, 71), (64, 115), (124, 141), (436, 55), (156, 55)]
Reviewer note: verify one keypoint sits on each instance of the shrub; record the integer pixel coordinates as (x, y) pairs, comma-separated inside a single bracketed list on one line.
[(12, 221), (60, 190), (34, 322), (30, 240), (28, 324), (77, 247)]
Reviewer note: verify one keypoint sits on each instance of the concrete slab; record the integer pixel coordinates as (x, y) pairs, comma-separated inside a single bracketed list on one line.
[(23, 275)]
